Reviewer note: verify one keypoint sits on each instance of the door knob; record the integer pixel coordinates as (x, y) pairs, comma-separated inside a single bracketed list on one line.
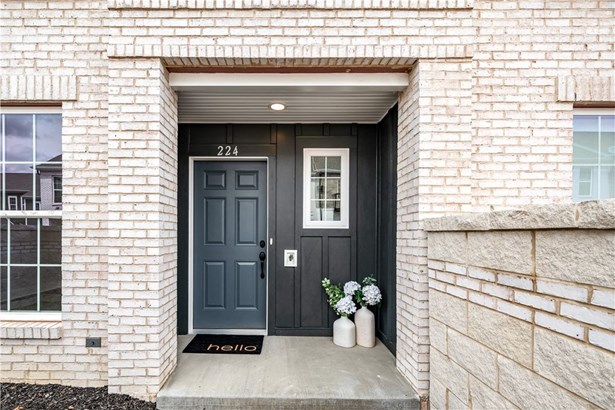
[(262, 257)]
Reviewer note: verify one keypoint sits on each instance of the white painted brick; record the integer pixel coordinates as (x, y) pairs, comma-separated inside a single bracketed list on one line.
[(482, 299), (497, 290), (565, 290), (468, 283), (535, 301), (456, 291), (559, 325), (605, 340), (603, 297), (437, 265), (516, 281), (482, 274), (444, 277), (454, 268), (589, 315), (514, 310)]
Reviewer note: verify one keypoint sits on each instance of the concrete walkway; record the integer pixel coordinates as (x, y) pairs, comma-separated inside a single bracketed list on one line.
[(290, 373)]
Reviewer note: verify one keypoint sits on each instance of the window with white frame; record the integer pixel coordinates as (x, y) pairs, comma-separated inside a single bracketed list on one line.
[(593, 168), (12, 205), (325, 187), (31, 238), (57, 190)]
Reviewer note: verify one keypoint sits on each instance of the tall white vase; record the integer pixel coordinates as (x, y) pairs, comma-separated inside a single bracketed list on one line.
[(366, 327), (344, 332)]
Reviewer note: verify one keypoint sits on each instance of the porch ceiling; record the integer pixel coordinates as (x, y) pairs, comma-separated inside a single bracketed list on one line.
[(309, 98)]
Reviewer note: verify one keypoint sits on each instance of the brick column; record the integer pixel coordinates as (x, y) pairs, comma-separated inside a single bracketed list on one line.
[(142, 227), (434, 147)]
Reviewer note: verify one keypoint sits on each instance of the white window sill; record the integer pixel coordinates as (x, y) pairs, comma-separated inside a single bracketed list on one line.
[(30, 330), (25, 316)]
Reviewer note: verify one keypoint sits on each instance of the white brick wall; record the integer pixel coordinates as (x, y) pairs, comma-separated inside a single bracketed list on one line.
[(45, 58), (521, 138), (486, 123), (142, 219), (296, 4)]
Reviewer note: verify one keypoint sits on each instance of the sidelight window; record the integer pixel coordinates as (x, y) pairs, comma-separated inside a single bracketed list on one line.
[(31, 229), (325, 187), (593, 154)]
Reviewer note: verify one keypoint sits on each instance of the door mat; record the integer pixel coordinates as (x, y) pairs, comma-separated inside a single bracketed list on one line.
[(225, 344)]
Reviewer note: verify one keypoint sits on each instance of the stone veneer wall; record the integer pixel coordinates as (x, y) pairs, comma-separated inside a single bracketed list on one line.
[(522, 308)]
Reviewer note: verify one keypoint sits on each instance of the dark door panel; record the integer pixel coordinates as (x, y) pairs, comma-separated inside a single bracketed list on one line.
[(230, 217)]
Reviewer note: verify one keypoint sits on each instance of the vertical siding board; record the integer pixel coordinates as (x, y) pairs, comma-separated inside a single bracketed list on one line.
[(286, 285), (367, 198), (387, 214), (311, 260), (182, 227)]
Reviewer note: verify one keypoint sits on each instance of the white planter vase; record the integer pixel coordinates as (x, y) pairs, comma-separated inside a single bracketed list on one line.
[(365, 322), (344, 332)]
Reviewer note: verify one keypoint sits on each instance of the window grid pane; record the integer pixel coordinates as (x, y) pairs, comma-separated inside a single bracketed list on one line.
[(593, 157), (324, 194), (57, 190), (22, 263), (31, 176)]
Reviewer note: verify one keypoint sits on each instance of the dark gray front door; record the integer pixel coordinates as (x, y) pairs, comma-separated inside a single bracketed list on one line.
[(230, 218)]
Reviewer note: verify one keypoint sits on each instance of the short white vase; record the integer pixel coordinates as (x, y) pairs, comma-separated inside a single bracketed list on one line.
[(366, 327), (344, 332)]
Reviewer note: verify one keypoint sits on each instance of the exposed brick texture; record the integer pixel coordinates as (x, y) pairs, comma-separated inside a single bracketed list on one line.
[(309, 37), (38, 88), (521, 137), (47, 57), (26, 330), (142, 227), (288, 4), (586, 89), (486, 123), (434, 143)]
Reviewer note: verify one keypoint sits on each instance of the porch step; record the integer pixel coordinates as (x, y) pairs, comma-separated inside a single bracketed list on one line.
[(290, 373), (202, 403)]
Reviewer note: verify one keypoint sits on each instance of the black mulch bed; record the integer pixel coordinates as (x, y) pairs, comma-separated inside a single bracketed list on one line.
[(21, 396)]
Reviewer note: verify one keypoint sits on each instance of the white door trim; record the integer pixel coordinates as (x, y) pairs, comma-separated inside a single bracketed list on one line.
[(191, 329)]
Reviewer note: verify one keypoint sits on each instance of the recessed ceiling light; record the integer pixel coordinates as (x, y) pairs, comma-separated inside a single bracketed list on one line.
[(277, 107)]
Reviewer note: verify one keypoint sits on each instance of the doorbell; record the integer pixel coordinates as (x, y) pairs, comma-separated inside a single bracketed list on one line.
[(290, 258)]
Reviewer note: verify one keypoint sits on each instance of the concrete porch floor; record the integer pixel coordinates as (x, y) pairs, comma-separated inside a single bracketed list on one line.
[(290, 373)]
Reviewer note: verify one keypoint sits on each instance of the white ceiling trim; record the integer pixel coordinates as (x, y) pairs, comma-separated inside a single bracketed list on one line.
[(309, 98), (375, 81)]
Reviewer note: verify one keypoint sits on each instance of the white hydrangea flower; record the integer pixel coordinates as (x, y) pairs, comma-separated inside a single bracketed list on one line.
[(372, 295), (351, 287), (345, 306)]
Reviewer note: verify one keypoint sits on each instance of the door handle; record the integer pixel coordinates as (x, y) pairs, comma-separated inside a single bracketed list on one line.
[(262, 256)]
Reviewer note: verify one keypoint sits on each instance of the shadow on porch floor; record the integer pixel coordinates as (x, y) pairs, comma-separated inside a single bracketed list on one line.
[(290, 373)]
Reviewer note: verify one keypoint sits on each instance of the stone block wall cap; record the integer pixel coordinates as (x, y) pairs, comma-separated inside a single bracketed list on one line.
[(583, 215)]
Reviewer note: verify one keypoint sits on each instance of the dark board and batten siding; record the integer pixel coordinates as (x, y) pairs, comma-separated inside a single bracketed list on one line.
[(297, 304), (386, 319)]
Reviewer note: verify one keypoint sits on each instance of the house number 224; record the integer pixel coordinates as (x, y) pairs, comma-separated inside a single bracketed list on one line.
[(227, 150)]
